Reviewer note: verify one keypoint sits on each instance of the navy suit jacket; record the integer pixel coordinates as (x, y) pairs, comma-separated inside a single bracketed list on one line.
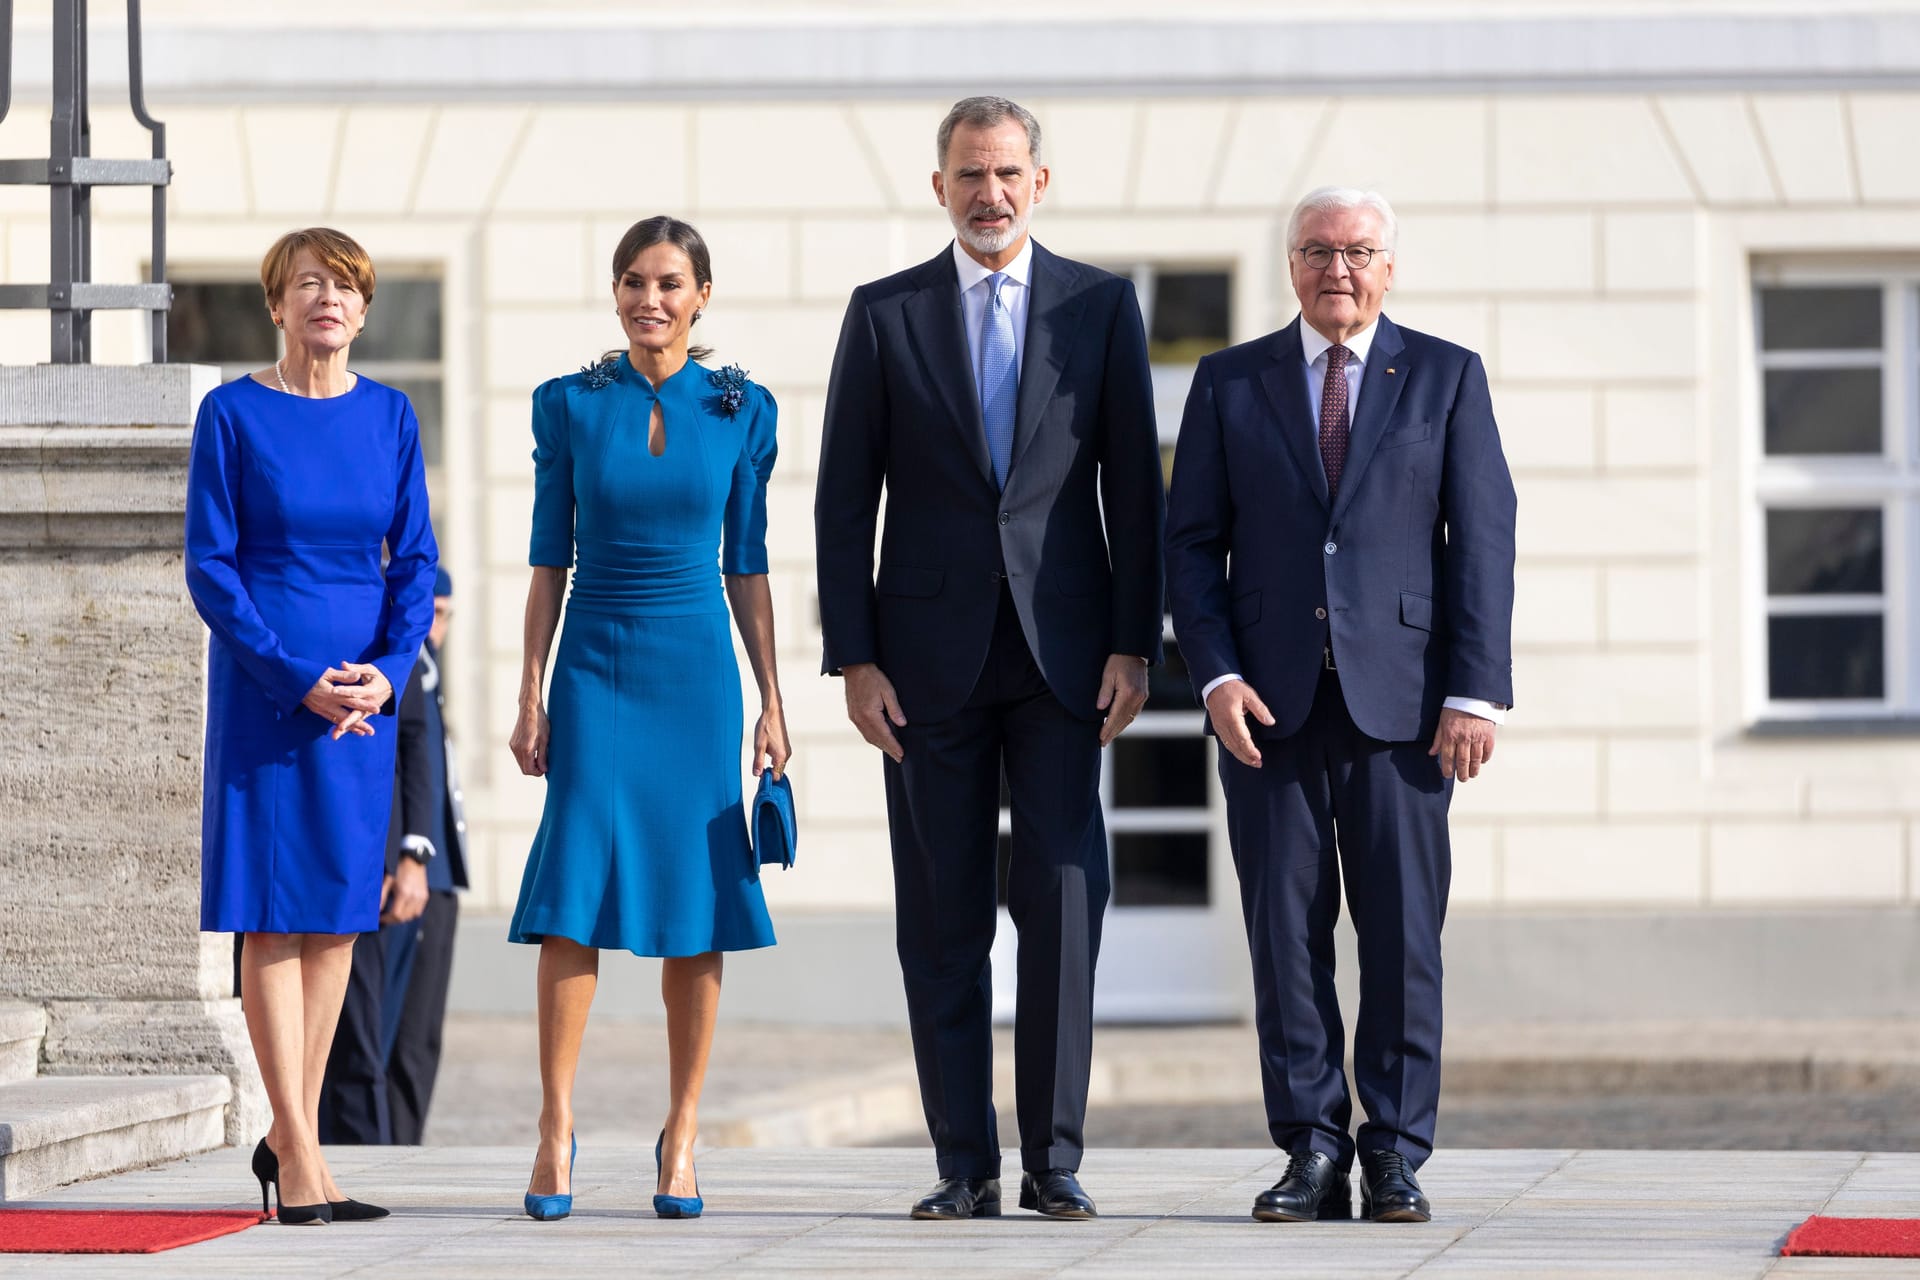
[(1408, 573), (424, 803), (903, 412)]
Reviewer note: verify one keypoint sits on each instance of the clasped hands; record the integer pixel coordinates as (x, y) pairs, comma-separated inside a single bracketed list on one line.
[(874, 707), (346, 695), (1463, 741)]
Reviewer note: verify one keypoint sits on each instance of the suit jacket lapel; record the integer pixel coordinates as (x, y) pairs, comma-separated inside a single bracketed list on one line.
[(939, 337), (1379, 394), (1285, 383), (1053, 316)]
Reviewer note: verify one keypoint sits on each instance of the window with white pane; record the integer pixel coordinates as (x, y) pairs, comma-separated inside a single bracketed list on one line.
[(1839, 493)]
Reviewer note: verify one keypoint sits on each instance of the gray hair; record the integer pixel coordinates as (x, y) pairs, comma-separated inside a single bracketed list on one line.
[(984, 113), (1340, 200)]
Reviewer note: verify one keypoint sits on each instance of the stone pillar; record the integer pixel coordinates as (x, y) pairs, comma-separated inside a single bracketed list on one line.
[(101, 717)]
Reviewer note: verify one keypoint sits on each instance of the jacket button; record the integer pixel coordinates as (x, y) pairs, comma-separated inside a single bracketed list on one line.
[(1006, 518), (1320, 614), (1331, 547)]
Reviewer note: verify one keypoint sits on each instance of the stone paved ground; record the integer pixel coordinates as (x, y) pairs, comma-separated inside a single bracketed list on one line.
[(1852, 1087), (1887, 1120), (489, 1088), (1537, 1214)]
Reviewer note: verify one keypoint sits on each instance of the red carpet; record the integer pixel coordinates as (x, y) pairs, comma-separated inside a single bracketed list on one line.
[(115, 1230), (1820, 1237)]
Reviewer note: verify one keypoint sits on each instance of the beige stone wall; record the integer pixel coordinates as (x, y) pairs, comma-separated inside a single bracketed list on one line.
[(1593, 247)]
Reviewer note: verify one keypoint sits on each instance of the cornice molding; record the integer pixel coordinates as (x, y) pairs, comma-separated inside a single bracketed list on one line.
[(532, 60)]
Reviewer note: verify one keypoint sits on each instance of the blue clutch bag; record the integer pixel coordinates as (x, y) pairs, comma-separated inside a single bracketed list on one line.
[(775, 833)]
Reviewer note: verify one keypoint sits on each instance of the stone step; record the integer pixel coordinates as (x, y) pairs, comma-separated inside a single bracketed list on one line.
[(23, 1027), (60, 1129)]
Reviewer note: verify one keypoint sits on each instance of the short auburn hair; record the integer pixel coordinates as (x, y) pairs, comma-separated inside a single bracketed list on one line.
[(337, 250)]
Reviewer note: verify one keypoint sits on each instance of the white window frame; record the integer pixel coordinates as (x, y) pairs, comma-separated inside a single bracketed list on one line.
[(1889, 480), (1170, 385)]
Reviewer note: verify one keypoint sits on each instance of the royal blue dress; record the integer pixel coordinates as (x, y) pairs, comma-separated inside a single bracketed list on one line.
[(643, 842), (289, 501)]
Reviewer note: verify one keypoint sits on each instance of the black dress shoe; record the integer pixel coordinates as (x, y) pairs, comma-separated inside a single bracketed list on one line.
[(953, 1199), (1056, 1193), (1312, 1190), (1388, 1192)]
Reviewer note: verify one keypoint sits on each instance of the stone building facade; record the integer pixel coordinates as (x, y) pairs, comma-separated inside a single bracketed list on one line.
[(1687, 245)]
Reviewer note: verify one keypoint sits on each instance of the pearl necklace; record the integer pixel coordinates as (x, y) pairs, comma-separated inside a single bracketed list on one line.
[(281, 378)]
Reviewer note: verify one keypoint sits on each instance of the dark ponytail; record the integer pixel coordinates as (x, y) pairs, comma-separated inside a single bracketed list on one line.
[(663, 229)]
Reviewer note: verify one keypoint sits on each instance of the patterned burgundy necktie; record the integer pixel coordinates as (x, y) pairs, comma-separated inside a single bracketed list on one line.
[(1333, 418)]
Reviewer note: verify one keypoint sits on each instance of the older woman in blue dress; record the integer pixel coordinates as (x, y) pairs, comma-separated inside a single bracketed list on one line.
[(298, 477), (650, 476)]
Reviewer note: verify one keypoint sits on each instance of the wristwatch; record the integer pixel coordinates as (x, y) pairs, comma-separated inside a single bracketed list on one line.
[(419, 848)]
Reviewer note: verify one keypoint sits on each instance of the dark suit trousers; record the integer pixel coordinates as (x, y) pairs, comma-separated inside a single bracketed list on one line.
[(1383, 806), (386, 1049), (353, 1097), (943, 809), (413, 1058)]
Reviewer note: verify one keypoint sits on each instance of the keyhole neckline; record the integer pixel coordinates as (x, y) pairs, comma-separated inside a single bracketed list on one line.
[(657, 412)]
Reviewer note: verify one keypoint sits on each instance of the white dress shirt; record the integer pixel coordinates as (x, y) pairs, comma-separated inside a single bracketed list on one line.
[(974, 293), (1314, 346)]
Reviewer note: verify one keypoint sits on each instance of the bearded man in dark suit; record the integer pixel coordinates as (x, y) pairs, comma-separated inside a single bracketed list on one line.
[(1000, 396)]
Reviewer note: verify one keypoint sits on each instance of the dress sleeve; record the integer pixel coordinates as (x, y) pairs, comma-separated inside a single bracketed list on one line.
[(213, 564), (412, 557), (744, 542), (552, 540)]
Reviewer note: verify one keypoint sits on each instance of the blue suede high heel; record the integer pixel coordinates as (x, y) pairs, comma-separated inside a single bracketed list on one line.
[(674, 1206), (553, 1208)]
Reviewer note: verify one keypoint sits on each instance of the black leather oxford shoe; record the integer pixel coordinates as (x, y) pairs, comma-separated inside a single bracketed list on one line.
[(1312, 1190), (1388, 1192), (953, 1199), (1056, 1193)]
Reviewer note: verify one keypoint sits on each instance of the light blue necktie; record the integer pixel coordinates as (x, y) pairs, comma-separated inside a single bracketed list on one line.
[(999, 378)]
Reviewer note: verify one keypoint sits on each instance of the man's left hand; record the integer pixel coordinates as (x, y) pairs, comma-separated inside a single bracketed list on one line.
[(1123, 691), (405, 896), (1463, 742)]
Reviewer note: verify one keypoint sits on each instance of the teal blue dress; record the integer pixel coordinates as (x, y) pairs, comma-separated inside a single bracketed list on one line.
[(643, 842)]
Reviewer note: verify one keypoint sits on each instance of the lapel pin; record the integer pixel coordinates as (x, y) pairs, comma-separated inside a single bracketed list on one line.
[(1389, 368)]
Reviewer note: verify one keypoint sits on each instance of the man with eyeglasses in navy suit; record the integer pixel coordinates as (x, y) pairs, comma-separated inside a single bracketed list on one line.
[(1340, 547)]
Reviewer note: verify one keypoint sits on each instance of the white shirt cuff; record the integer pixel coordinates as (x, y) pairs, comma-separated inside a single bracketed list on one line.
[(1215, 683), (419, 844), (1476, 707)]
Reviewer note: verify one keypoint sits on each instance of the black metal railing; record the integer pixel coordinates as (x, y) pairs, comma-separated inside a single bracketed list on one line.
[(70, 172)]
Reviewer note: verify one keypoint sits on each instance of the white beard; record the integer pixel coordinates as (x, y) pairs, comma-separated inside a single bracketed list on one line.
[(987, 242)]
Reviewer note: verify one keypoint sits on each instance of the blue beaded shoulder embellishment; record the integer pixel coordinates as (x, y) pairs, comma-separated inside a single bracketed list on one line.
[(601, 374), (731, 383)]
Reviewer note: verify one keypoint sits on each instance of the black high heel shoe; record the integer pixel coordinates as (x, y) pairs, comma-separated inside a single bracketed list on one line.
[(266, 1167)]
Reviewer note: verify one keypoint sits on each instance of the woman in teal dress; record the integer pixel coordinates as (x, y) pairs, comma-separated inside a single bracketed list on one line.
[(650, 480)]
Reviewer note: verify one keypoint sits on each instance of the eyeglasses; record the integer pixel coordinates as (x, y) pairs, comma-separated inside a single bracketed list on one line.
[(1320, 256)]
